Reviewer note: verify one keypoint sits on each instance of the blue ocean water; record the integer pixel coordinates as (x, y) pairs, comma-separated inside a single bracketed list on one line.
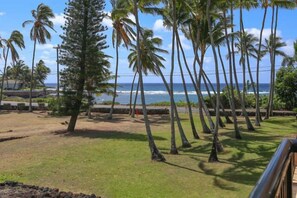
[(156, 92)]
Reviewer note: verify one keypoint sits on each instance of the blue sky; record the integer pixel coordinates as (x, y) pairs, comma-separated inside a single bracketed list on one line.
[(14, 12)]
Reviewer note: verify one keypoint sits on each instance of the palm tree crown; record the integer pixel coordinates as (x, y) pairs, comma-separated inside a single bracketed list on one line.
[(41, 20)]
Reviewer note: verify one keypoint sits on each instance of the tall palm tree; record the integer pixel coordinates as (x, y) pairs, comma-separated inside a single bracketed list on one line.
[(272, 46), (247, 50), (133, 6), (122, 33), (275, 4), (173, 16), (249, 125), (258, 115), (16, 38), (226, 20), (213, 155), (39, 33)]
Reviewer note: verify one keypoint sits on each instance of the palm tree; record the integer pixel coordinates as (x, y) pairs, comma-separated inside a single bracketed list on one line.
[(258, 115), (133, 6), (272, 46), (17, 70), (39, 33), (291, 60), (122, 33), (247, 50), (213, 155), (16, 38)]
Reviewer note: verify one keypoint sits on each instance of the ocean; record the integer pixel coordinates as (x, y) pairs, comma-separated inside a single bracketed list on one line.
[(156, 92)]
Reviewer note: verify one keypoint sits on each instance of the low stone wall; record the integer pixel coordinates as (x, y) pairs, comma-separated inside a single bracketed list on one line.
[(123, 110), (251, 112)]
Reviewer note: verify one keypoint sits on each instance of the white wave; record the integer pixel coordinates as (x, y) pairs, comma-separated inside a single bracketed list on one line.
[(177, 92)]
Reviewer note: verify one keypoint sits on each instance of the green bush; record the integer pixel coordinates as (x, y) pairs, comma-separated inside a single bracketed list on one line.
[(21, 106)]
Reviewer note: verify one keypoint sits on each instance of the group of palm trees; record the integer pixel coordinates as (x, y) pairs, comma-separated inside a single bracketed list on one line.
[(209, 25), (39, 33)]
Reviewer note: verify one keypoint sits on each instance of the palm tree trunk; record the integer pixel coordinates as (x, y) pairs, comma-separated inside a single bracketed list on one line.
[(173, 149), (200, 96), (32, 77), (221, 123), (213, 155), (194, 131), (115, 81), (135, 100), (4, 75), (185, 142), (155, 153), (228, 120), (273, 65), (258, 114), (195, 82), (231, 89), (131, 93), (226, 83), (250, 73), (272, 48), (247, 120)]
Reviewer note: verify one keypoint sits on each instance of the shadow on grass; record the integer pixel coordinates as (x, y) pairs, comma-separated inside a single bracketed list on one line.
[(239, 166), (93, 134), (182, 167), (281, 121)]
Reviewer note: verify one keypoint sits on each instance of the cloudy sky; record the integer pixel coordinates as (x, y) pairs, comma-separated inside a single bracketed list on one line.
[(14, 12)]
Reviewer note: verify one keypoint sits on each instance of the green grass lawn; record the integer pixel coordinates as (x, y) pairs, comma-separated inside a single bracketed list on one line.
[(117, 164)]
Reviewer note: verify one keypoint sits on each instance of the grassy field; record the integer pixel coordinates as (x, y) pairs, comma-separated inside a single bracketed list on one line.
[(116, 162)]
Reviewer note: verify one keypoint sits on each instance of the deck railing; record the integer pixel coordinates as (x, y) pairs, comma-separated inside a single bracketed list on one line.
[(277, 179)]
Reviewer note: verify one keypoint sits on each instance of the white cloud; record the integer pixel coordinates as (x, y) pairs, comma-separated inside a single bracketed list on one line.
[(2, 13), (107, 21), (266, 32), (185, 43), (208, 59), (59, 19), (158, 26), (45, 46), (289, 49)]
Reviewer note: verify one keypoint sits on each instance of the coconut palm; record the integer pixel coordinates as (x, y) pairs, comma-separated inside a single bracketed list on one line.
[(133, 6), (247, 50), (213, 155), (15, 39), (39, 33), (275, 5), (258, 115), (122, 33), (17, 71), (272, 46)]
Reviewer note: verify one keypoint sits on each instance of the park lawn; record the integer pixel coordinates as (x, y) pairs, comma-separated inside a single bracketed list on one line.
[(117, 163)]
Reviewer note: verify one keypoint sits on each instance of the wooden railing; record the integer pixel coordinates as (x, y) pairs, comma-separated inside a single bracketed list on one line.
[(277, 179)]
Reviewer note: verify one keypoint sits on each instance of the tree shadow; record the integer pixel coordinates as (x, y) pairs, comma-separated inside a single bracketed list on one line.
[(93, 134), (182, 167)]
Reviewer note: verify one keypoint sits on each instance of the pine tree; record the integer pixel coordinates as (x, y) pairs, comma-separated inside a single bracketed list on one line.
[(86, 65)]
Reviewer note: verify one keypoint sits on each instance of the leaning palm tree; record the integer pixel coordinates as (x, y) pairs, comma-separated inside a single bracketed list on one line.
[(16, 38), (122, 33), (39, 33), (133, 6)]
